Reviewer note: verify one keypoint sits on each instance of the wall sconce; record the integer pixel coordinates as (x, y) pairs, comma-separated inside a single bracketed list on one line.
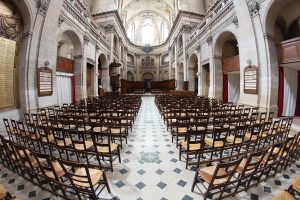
[(47, 63), (249, 62), (197, 74)]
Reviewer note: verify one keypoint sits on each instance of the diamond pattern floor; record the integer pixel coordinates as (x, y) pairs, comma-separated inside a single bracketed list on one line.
[(150, 169)]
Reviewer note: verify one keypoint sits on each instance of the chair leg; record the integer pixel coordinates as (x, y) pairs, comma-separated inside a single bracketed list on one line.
[(195, 181), (106, 183)]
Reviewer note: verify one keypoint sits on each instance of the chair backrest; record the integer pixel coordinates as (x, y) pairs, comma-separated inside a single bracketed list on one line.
[(78, 174), (251, 163), (229, 168), (45, 164)]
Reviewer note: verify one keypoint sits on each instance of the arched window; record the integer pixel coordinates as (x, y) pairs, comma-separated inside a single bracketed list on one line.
[(131, 31), (148, 32)]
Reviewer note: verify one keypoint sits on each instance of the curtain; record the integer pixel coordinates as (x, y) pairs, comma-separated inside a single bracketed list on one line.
[(63, 89), (225, 88), (280, 91), (73, 90), (234, 88), (297, 111), (290, 91)]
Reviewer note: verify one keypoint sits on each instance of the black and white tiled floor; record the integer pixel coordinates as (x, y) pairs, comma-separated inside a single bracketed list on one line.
[(150, 169)]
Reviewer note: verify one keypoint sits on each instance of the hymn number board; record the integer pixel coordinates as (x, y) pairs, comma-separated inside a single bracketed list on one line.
[(45, 86), (251, 80)]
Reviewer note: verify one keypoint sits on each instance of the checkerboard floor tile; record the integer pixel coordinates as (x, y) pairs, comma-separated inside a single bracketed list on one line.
[(150, 169)]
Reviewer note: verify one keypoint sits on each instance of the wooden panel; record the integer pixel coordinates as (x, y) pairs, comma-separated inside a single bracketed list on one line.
[(289, 51), (131, 86), (231, 64), (7, 62), (45, 81), (64, 65), (182, 93)]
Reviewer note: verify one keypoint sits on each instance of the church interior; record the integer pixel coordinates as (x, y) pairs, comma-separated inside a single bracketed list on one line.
[(149, 99)]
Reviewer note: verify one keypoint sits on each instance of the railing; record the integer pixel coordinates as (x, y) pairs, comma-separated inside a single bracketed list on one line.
[(288, 51), (211, 14)]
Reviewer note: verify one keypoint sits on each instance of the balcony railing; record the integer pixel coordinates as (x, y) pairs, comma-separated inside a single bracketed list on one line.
[(288, 51)]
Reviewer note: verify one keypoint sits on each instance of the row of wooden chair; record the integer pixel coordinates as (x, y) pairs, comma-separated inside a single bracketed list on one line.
[(85, 145), (241, 171), (62, 177)]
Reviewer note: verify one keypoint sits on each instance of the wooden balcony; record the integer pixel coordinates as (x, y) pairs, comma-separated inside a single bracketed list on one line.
[(64, 65), (231, 64), (288, 51)]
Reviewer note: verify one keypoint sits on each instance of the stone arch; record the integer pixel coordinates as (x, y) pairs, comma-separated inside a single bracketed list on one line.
[(148, 76), (70, 46), (130, 76), (285, 11), (103, 70), (226, 51), (20, 17)]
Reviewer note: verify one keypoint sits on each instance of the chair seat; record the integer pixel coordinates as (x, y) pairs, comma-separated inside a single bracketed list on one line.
[(100, 129), (284, 195), (65, 142), (95, 175), (70, 127), (105, 149), (192, 147), (21, 154), (210, 142), (242, 166), (86, 128), (198, 128), (125, 121), (276, 151), (249, 136), (232, 139), (117, 130), (210, 127), (296, 184), (207, 174), (180, 130), (3, 191), (50, 138), (87, 144), (58, 169)]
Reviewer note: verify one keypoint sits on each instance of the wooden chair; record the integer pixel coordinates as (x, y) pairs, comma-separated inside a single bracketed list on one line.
[(85, 179), (194, 144), (105, 149), (248, 168), (81, 143), (182, 125), (216, 177), (217, 140), (51, 171), (117, 131), (295, 187)]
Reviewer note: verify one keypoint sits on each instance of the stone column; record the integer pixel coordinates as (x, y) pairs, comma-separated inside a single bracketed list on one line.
[(170, 62), (185, 29), (176, 65), (199, 71), (110, 30), (251, 41)]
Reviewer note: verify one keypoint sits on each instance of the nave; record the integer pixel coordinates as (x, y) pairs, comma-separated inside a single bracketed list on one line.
[(150, 168)]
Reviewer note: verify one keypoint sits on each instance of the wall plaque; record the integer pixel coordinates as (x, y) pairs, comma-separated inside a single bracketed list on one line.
[(7, 61), (251, 80), (45, 86)]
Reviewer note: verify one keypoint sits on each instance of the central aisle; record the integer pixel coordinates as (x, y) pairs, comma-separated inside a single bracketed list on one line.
[(150, 168)]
